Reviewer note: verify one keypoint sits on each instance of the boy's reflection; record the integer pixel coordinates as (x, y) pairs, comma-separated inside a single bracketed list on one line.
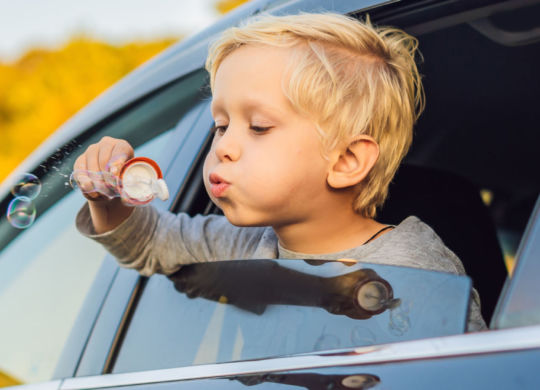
[(252, 285)]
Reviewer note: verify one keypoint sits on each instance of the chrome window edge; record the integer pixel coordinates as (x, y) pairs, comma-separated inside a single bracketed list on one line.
[(494, 341)]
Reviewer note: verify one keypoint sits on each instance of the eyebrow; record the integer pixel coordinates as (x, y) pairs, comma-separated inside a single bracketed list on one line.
[(249, 104)]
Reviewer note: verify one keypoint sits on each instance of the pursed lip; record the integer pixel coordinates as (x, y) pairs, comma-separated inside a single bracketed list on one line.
[(218, 185)]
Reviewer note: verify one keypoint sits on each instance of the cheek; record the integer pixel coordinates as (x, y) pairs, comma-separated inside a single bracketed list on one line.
[(284, 172), (209, 163)]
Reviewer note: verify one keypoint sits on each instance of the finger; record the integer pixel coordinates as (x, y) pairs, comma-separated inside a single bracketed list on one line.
[(104, 154), (121, 152), (80, 175), (92, 158), (97, 187), (105, 159)]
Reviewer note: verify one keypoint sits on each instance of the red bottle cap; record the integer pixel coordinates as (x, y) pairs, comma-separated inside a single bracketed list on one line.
[(141, 180)]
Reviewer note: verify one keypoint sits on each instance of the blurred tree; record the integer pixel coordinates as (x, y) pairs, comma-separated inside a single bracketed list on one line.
[(7, 380), (224, 6), (45, 88)]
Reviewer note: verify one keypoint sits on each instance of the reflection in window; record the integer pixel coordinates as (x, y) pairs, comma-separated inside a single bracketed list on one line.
[(251, 309)]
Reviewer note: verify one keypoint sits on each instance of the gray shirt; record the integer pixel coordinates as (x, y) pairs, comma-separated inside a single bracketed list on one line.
[(153, 241)]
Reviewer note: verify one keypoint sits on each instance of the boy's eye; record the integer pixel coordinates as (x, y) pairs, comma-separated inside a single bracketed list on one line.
[(222, 128), (259, 129), (218, 129)]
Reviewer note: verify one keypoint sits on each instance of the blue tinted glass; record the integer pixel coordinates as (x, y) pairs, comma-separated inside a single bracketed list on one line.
[(519, 305), (44, 276), (237, 310)]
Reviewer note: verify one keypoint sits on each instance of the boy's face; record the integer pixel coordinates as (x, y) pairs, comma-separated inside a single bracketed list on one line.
[(265, 166)]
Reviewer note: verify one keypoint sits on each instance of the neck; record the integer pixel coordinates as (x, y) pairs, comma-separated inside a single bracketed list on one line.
[(333, 230)]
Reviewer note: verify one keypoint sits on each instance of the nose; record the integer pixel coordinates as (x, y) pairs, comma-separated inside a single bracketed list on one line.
[(227, 146)]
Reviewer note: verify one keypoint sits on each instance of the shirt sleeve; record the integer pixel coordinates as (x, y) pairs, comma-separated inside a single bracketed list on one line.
[(153, 241)]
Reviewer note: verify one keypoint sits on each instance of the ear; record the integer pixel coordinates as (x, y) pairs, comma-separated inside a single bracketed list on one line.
[(351, 163)]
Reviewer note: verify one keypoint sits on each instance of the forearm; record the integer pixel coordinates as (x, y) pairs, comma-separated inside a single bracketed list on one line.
[(107, 215), (148, 241)]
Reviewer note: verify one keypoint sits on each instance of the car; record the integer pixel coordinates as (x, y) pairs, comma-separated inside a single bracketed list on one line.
[(71, 318)]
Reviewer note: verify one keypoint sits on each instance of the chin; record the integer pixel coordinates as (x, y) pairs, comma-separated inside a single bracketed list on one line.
[(244, 219)]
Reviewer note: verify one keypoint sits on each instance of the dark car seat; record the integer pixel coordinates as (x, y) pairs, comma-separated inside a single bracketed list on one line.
[(452, 206)]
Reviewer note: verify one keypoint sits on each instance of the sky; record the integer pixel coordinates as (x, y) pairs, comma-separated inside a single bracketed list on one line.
[(26, 24)]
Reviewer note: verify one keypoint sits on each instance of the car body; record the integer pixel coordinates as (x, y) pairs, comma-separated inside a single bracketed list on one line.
[(72, 319)]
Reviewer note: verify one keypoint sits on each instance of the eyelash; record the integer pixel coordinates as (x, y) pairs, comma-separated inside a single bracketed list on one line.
[(222, 129)]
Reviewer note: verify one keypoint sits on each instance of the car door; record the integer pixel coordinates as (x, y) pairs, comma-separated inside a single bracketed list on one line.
[(273, 309)]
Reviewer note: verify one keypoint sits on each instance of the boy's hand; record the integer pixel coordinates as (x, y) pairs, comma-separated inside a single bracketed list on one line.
[(99, 164)]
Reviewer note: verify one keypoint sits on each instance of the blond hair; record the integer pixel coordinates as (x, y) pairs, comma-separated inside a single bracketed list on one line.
[(350, 77)]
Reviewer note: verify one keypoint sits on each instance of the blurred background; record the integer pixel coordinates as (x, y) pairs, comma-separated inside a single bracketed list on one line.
[(58, 55)]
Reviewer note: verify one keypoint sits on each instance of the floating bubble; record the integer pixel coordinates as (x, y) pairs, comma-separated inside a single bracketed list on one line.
[(21, 212), (28, 186)]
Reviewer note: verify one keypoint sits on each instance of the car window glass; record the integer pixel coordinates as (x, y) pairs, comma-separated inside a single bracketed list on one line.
[(519, 305), (47, 269), (239, 310)]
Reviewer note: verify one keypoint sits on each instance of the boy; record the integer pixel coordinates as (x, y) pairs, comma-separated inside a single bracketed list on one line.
[(313, 114)]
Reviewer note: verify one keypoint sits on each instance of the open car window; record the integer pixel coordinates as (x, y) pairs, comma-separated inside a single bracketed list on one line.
[(479, 91), (240, 310)]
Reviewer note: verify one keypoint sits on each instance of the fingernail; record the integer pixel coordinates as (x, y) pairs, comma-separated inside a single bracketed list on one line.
[(114, 170)]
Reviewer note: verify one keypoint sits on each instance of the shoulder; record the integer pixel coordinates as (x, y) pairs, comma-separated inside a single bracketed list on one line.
[(414, 244)]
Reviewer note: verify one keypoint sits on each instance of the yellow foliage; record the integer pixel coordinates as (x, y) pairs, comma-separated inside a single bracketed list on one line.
[(45, 88), (7, 380), (224, 6)]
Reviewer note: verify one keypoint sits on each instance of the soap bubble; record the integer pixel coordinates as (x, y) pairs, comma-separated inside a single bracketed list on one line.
[(21, 212), (134, 190), (28, 186), (88, 182)]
